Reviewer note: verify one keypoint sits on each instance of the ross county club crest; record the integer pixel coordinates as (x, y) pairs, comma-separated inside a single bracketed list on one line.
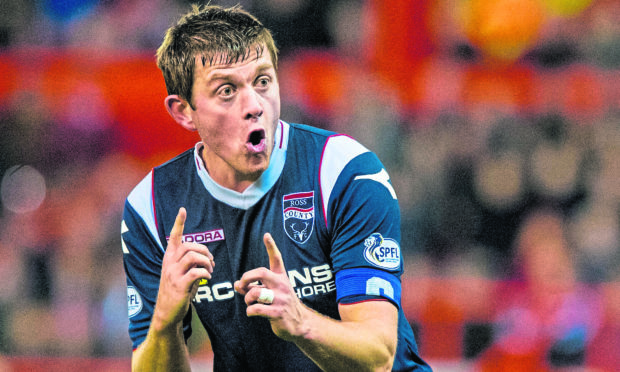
[(298, 213)]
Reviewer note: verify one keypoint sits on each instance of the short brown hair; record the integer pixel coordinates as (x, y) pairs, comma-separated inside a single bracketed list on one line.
[(210, 31)]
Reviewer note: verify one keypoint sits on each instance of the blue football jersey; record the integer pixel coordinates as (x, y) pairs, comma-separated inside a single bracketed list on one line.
[(333, 213)]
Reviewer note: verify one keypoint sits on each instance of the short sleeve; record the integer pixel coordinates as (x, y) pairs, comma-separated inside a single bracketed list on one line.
[(363, 219)]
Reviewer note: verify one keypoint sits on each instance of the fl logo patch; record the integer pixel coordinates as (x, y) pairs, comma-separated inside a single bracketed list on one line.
[(298, 213), (382, 252)]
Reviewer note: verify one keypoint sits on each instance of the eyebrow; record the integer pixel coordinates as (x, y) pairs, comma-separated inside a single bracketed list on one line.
[(226, 76)]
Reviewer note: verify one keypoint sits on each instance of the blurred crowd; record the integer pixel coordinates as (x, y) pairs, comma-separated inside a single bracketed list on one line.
[(504, 160)]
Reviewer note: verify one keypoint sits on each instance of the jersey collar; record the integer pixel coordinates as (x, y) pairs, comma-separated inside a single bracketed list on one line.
[(260, 187)]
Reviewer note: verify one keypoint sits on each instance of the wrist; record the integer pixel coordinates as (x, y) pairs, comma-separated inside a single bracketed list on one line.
[(304, 331), (161, 326)]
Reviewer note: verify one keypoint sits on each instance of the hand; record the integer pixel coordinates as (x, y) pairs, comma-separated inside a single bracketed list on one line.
[(184, 265), (286, 311)]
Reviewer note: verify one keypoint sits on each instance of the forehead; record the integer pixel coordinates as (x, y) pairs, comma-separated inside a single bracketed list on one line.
[(255, 58)]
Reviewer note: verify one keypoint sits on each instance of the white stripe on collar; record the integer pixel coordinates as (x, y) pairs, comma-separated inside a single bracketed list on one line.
[(251, 195)]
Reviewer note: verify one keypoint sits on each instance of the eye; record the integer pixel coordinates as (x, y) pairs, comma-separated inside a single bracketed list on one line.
[(226, 91), (263, 82)]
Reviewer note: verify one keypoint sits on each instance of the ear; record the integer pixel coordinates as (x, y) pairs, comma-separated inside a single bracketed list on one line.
[(180, 111)]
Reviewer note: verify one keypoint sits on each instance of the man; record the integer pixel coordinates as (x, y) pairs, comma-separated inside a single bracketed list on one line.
[(282, 236)]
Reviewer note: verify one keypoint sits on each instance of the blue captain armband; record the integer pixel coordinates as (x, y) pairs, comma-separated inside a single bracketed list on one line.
[(359, 284)]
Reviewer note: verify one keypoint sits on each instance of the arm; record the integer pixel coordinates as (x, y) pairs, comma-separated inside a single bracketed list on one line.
[(184, 264), (364, 339), (162, 350)]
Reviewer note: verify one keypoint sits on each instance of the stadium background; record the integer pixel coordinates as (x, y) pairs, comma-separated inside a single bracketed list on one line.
[(499, 121)]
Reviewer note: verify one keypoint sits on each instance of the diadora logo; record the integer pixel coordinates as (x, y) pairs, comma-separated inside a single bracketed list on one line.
[(203, 237), (382, 252), (134, 301), (298, 213)]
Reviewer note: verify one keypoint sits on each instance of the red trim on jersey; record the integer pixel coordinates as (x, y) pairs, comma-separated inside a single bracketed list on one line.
[(321, 167), (306, 210), (359, 302), (320, 185), (298, 195), (281, 133), (153, 196)]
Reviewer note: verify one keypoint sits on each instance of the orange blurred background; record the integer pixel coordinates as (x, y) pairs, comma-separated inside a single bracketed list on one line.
[(499, 122)]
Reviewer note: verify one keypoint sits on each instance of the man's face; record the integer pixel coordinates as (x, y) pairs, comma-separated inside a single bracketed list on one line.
[(237, 108)]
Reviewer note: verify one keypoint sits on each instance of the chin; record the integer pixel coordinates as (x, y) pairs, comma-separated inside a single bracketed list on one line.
[(255, 170)]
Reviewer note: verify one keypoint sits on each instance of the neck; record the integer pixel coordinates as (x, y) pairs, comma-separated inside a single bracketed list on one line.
[(234, 181)]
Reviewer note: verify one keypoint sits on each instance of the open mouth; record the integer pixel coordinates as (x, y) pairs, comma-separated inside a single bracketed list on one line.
[(256, 140), (256, 137)]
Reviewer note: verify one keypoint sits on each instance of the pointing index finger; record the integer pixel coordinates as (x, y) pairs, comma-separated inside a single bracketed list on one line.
[(276, 264), (176, 234)]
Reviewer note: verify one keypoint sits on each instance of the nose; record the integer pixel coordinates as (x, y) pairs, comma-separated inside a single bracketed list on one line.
[(252, 107)]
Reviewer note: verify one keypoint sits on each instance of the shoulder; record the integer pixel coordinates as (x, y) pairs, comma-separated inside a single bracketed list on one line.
[(308, 130), (174, 171), (333, 146), (163, 173), (177, 164), (339, 151)]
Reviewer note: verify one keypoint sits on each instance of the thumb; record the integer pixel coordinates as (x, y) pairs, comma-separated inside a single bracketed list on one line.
[(176, 234), (276, 264)]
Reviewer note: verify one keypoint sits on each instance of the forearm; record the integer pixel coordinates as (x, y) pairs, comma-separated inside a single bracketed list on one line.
[(339, 345), (162, 351)]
